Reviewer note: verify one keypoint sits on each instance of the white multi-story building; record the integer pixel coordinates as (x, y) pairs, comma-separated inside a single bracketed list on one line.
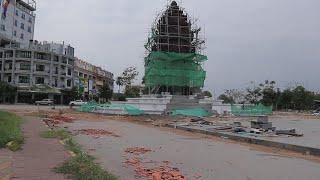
[(17, 22), (40, 70), (37, 73)]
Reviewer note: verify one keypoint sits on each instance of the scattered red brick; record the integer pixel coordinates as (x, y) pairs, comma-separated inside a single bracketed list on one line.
[(157, 173), (97, 132), (137, 150), (61, 118), (132, 162), (197, 176)]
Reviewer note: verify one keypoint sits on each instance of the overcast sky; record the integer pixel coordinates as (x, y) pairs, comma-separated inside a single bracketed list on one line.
[(247, 40)]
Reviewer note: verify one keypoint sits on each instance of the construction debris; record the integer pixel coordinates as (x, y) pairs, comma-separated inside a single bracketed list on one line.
[(61, 118), (262, 123), (291, 132), (97, 132), (164, 172), (137, 150)]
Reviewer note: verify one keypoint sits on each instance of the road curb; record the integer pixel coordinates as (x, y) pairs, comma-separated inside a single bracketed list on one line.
[(291, 147)]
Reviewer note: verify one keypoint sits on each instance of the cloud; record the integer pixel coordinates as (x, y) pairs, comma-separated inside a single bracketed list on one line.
[(247, 40)]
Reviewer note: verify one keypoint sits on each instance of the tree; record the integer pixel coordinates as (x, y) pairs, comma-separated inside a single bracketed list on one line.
[(105, 92), (129, 75), (253, 95), (119, 82), (285, 99), (302, 99), (233, 96), (7, 91), (132, 91), (269, 94), (207, 93), (75, 93), (226, 99)]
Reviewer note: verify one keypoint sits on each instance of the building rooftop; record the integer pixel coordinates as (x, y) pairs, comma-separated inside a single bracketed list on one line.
[(29, 4)]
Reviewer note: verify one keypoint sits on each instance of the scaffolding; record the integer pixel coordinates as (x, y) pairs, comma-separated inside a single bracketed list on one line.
[(174, 47)]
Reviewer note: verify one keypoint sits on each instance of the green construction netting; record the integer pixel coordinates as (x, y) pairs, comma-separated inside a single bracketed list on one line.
[(251, 110), (88, 107), (91, 107), (174, 69), (196, 112)]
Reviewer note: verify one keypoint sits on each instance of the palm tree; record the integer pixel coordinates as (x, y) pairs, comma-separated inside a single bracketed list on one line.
[(119, 82)]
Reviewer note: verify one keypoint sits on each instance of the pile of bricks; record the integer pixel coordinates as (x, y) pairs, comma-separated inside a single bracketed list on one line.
[(164, 172), (137, 150), (53, 120), (61, 118)]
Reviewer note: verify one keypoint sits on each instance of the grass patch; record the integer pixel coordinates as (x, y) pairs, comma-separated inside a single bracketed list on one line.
[(80, 167), (60, 134), (10, 132)]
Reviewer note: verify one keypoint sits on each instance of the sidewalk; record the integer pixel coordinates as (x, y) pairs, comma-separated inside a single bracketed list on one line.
[(5, 164), (38, 156)]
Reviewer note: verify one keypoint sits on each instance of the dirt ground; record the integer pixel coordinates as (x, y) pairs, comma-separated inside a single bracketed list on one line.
[(226, 158)]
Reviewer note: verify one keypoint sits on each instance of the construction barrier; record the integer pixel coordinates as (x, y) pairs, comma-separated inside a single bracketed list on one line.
[(92, 107), (251, 110), (196, 112)]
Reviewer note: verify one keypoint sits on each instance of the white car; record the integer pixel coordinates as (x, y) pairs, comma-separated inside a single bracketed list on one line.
[(45, 102), (77, 103)]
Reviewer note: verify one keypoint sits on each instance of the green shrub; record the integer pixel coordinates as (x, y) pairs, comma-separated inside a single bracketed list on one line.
[(60, 134), (10, 131), (82, 167)]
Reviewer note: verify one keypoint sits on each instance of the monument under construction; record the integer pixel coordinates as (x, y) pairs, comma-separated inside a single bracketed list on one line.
[(174, 61)]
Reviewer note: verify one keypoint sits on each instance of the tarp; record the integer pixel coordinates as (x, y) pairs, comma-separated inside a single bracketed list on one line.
[(174, 69), (130, 109), (196, 112), (251, 110)]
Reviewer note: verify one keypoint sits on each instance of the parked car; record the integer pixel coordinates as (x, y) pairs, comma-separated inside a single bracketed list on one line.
[(45, 102), (77, 103)]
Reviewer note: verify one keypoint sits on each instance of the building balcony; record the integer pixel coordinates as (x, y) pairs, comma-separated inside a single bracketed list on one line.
[(43, 61), (7, 71), (22, 71), (44, 73)]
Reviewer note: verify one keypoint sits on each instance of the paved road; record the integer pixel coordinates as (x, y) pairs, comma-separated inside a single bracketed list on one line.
[(194, 156)]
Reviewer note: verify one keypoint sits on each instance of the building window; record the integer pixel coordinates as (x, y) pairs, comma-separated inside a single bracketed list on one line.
[(15, 33), (68, 83), (39, 80), (24, 79), (15, 23), (17, 13), (40, 67), (9, 79), (30, 20), (3, 27), (64, 60), (23, 54), (23, 16), (29, 29), (25, 66), (55, 82), (10, 66), (22, 36), (22, 26), (69, 72), (56, 58)]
